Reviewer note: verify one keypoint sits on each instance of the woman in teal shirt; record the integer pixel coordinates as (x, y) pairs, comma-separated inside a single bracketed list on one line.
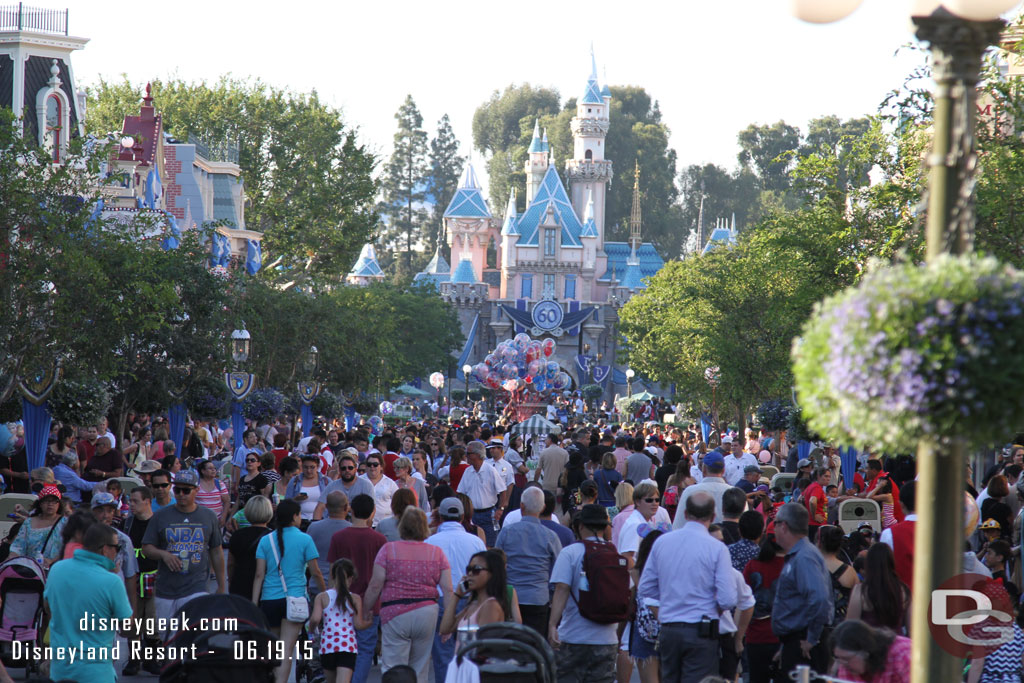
[(296, 552)]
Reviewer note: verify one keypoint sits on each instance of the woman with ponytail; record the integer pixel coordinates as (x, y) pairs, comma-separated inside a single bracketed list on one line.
[(282, 559)]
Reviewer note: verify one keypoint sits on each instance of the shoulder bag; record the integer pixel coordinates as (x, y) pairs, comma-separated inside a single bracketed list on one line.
[(297, 607)]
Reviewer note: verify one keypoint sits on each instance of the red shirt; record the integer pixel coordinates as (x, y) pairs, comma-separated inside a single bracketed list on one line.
[(389, 464), (279, 455), (821, 503), (455, 474), (85, 450), (760, 575), (903, 550), (360, 545)]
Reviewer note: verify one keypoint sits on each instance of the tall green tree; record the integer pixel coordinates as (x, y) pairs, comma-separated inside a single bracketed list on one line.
[(767, 151), (405, 178), (308, 178), (445, 169)]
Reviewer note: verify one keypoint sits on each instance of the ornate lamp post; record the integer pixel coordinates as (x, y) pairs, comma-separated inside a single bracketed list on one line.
[(309, 389), (958, 32), (466, 369), (630, 374), (239, 383)]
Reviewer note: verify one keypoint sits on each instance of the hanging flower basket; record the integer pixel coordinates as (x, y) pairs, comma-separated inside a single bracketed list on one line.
[(263, 404), (79, 402), (208, 399), (912, 353), (773, 415)]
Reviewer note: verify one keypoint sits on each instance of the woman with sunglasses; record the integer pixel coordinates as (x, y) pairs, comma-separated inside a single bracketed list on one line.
[(645, 507), (212, 493), (437, 453), (252, 482), (486, 586)]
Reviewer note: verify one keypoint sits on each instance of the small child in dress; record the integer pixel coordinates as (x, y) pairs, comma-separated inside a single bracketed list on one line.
[(341, 613)]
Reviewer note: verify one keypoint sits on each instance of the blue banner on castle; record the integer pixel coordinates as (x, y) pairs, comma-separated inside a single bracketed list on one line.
[(350, 418), (706, 426), (36, 420), (176, 419)]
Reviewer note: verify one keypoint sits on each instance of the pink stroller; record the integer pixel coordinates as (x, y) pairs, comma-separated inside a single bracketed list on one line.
[(22, 581)]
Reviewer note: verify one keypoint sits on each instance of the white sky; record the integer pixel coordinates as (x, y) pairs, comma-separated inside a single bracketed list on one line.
[(715, 66)]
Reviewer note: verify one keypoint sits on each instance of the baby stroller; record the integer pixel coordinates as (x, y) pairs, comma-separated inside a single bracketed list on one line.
[(240, 655), (510, 653), (22, 582)]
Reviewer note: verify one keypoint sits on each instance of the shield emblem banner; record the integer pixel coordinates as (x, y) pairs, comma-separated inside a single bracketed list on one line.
[(239, 383), (308, 391), (37, 383), (601, 373)]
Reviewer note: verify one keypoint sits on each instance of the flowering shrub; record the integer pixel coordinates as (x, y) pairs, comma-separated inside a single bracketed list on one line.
[(79, 402), (263, 404), (208, 399), (913, 353), (773, 415)]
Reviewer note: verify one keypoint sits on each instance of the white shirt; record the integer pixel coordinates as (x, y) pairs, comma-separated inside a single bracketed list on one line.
[(734, 467), (552, 412), (383, 490), (629, 539), (483, 487), (746, 600), (886, 536), (506, 469)]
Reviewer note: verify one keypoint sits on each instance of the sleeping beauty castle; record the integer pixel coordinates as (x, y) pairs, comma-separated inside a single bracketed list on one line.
[(548, 270)]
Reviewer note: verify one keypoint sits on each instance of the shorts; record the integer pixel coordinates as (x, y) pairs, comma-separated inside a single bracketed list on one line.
[(275, 611), (639, 648), (338, 660)]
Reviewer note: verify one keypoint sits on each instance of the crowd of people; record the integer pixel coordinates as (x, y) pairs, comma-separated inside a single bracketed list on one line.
[(628, 547)]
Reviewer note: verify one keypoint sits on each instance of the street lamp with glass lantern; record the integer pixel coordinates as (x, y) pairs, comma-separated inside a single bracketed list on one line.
[(958, 32), (630, 374), (241, 344)]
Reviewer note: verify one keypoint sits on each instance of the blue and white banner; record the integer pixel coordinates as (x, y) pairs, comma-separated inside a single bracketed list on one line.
[(254, 257), (601, 373)]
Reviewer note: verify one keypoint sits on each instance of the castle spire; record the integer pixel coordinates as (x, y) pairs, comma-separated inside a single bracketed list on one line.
[(700, 220), (634, 216)]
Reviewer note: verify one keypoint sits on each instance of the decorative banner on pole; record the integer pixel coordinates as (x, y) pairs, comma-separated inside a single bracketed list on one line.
[(36, 419), (306, 413), (601, 373), (176, 416), (38, 385), (582, 368)]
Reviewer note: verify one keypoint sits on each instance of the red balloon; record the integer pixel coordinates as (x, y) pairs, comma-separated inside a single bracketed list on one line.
[(528, 379)]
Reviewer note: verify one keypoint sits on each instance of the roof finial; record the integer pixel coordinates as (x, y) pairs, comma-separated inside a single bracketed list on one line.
[(54, 81), (536, 128), (593, 63), (634, 216), (148, 99)]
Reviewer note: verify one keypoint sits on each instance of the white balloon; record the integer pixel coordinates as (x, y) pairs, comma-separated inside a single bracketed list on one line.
[(980, 10), (822, 11)]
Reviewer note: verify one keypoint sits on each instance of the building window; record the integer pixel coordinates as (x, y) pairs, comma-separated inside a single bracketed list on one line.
[(549, 285), (570, 286), (549, 242), (527, 291), (53, 120), (589, 155)]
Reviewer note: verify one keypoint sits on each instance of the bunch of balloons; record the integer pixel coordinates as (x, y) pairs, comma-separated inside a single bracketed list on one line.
[(376, 425), (387, 407), (521, 363)]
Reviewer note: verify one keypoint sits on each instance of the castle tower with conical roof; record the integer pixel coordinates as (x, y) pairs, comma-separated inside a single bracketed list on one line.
[(589, 172)]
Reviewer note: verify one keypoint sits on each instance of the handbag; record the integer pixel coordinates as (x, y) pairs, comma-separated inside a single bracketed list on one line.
[(297, 608), (647, 626)]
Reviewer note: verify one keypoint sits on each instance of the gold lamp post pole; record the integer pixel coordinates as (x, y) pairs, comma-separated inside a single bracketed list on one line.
[(957, 47)]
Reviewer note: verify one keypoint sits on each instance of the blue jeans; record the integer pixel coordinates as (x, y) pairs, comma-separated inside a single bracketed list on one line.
[(443, 652), (485, 520), (366, 640)]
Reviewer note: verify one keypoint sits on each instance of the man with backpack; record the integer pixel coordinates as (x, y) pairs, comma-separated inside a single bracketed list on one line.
[(591, 584), (688, 611)]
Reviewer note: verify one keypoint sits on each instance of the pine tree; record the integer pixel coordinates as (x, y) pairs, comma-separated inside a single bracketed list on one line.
[(404, 180), (445, 169)]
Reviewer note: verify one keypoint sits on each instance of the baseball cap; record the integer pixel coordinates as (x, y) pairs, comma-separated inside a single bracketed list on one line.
[(147, 467), (714, 460), (186, 478), (804, 462), (51, 490), (763, 488), (451, 508), (101, 499), (726, 439)]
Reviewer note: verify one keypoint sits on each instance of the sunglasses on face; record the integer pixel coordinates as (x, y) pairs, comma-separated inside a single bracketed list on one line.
[(115, 546), (475, 569), (652, 500), (347, 468), (251, 460), (183, 490), (160, 486), (373, 464)]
